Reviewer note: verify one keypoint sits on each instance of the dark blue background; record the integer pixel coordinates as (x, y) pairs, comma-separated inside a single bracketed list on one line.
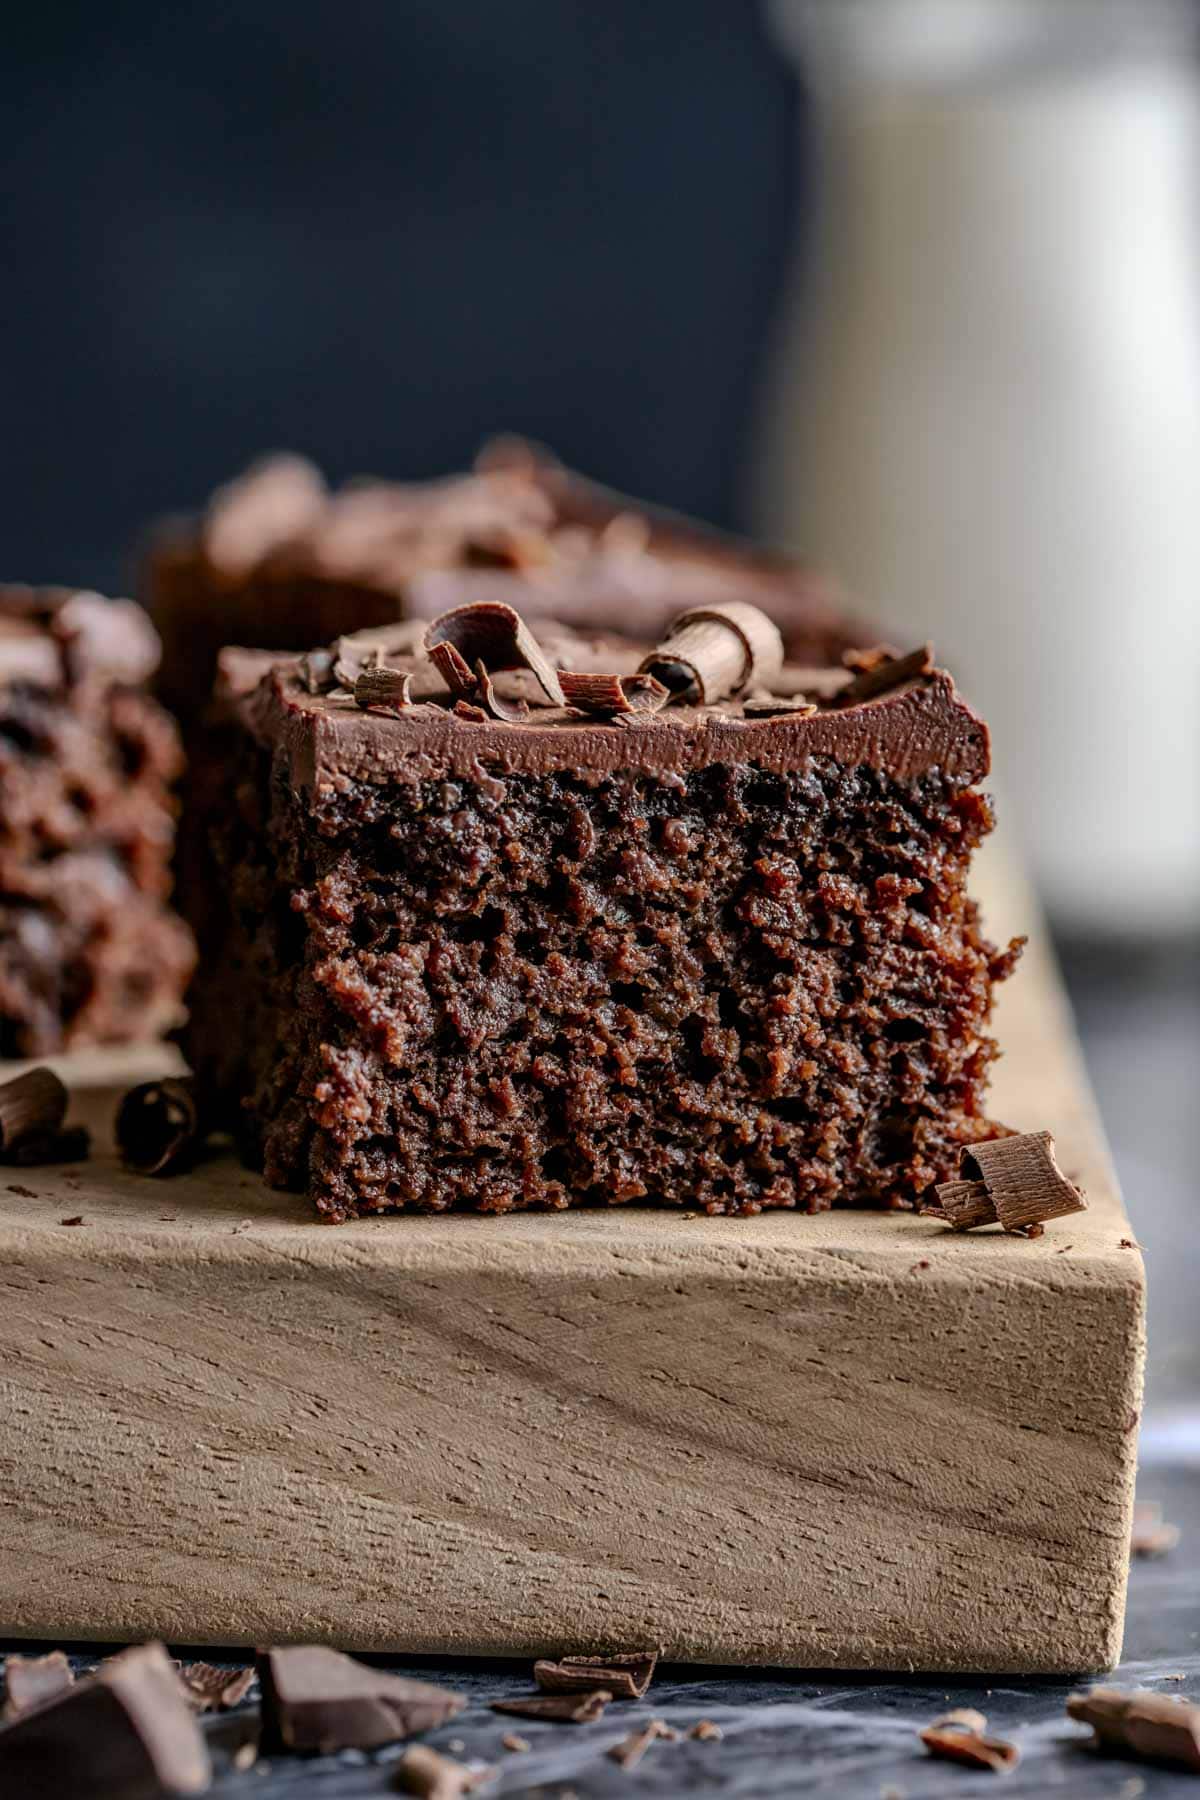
[(375, 230)]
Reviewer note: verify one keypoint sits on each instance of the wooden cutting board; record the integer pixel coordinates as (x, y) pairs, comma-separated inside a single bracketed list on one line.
[(857, 1440)]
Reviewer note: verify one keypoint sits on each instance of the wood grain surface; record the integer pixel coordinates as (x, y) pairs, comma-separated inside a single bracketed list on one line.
[(857, 1440)]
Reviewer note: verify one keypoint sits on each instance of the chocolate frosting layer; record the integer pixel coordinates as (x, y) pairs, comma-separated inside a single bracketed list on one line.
[(921, 725)]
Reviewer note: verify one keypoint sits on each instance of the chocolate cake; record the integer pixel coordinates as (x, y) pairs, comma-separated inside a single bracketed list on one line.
[(90, 951), (281, 561), (515, 921)]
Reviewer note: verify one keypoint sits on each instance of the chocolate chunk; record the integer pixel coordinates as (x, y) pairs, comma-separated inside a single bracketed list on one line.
[(964, 1743), (707, 1730), (888, 671), (386, 689), (1014, 1180), (712, 652), (630, 1751), (1153, 1727), (493, 633), (627, 1673), (612, 693), (576, 1707), (159, 1128), (208, 1687), (124, 1733), (32, 1107), (29, 1680), (422, 1771), (319, 1699)]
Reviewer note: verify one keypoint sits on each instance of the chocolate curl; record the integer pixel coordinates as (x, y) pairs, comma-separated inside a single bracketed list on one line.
[(1014, 1180), (716, 651), (612, 693), (628, 1673), (883, 669), (32, 1108), (511, 712), (28, 1680), (490, 632), (1146, 1725), (158, 1127), (384, 688)]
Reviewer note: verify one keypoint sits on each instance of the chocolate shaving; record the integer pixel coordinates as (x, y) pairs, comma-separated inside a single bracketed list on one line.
[(29, 1680), (423, 1772), (1014, 1180), (707, 1730), (317, 673), (630, 1751), (124, 1733), (594, 693), (767, 706), (319, 1699), (32, 1107), (561, 1709), (627, 1673), (510, 712), (466, 709), (159, 1128), (712, 652), (961, 1743), (888, 671), (73, 1144), (208, 1687), (490, 632), (384, 688), (1153, 1727), (1151, 1534)]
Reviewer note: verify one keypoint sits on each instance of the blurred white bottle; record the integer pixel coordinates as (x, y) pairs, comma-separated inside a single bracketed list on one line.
[(984, 410)]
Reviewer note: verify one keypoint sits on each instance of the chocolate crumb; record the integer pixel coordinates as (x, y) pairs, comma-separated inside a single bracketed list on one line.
[(626, 1673), (320, 1699), (208, 1687), (32, 1108), (1153, 1727), (581, 1708), (423, 1772), (158, 1127), (24, 1193), (630, 1751), (707, 1730), (1128, 1244), (78, 1219), (1151, 1535), (958, 1736), (72, 1144), (512, 1740), (29, 1680)]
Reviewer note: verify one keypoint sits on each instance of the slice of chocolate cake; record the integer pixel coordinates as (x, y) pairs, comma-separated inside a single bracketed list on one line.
[(506, 929), (90, 952), (280, 560)]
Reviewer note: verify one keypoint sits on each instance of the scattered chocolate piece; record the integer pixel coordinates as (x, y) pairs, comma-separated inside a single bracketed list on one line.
[(766, 706), (712, 652), (512, 1740), (1156, 1727), (888, 671), (23, 1193), (1014, 1180), (78, 1219), (560, 1709), (466, 709), (32, 1107), (594, 693), (320, 1699), (124, 1733), (490, 632), (630, 1751), (317, 675), (707, 1730), (422, 1771), (28, 1680), (245, 1756), (859, 660), (1152, 1535), (158, 1128), (73, 1144), (958, 1736), (510, 712), (385, 689), (627, 1673), (207, 1687)]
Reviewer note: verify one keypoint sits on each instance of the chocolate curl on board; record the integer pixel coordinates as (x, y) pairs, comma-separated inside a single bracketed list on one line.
[(1014, 1180)]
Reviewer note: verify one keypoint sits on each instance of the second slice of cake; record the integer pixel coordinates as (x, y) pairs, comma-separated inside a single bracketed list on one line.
[(485, 950)]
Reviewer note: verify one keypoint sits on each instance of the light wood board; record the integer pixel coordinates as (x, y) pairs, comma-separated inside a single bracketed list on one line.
[(856, 1440)]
